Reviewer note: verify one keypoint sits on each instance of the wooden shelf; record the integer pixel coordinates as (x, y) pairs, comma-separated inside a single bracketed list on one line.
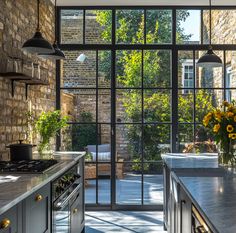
[(15, 76), (27, 80), (35, 82)]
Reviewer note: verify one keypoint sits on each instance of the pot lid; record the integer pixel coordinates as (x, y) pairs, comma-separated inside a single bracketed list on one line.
[(20, 144)]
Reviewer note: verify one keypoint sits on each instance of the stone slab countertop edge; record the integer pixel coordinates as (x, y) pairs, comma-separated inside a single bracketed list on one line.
[(190, 160), (214, 197), (23, 185)]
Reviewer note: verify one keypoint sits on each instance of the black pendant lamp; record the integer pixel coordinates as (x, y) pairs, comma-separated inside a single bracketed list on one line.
[(37, 44), (57, 54), (210, 59)]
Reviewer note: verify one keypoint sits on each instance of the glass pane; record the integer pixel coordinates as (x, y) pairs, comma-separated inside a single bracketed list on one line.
[(104, 68), (80, 105), (128, 142), (128, 68), (186, 137), (206, 100), (104, 183), (185, 105), (209, 77), (230, 73), (157, 68), (129, 26), (157, 106), (188, 27), (204, 140), (90, 183), (153, 183), (156, 140), (129, 106), (158, 26), (128, 189), (79, 73), (98, 26), (223, 30), (104, 106), (71, 27), (185, 68)]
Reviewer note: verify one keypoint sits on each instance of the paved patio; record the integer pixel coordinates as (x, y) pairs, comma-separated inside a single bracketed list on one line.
[(128, 190)]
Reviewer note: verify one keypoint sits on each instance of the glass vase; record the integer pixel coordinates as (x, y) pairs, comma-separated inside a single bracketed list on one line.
[(226, 155)]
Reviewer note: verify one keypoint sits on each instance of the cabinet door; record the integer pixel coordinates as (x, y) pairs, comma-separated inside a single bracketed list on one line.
[(77, 215), (185, 219), (10, 221), (37, 211)]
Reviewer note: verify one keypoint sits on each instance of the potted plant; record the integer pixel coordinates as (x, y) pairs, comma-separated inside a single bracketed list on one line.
[(47, 126)]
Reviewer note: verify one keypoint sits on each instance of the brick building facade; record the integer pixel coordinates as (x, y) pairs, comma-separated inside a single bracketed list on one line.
[(17, 24)]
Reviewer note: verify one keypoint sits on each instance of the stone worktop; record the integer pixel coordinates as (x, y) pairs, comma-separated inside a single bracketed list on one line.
[(16, 187), (214, 197), (190, 160)]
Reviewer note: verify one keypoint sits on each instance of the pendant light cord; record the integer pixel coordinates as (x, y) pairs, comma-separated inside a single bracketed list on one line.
[(210, 22), (38, 27)]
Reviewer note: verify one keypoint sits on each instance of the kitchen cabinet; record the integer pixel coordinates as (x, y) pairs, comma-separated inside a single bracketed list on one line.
[(36, 211), (185, 209), (10, 221)]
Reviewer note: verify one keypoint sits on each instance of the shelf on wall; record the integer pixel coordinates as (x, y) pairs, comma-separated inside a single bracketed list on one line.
[(15, 76), (27, 80)]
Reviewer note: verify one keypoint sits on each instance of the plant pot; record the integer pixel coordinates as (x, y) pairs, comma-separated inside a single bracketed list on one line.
[(20, 151)]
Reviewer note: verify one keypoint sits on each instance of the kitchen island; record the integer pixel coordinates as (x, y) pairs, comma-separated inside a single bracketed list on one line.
[(26, 200), (214, 198), (201, 195), (182, 163)]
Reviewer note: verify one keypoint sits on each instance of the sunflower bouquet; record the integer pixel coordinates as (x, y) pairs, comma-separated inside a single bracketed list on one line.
[(222, 123)]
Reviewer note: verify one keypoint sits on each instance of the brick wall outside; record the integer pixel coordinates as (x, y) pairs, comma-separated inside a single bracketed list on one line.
[(17, 24)]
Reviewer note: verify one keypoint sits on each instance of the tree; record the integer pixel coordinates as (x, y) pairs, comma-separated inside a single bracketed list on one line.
[(156, 73)]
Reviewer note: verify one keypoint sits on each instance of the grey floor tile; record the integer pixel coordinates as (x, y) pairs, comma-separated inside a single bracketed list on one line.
[(124, 222)]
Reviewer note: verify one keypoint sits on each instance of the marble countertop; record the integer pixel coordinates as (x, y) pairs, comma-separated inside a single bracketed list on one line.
[(16, 187), (215, 199), (190, 160)]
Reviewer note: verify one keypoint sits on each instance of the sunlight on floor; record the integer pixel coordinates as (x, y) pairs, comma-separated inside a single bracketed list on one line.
[(124, 221)]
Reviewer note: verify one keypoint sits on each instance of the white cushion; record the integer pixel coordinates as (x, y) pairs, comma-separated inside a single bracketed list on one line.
[(102, 156)]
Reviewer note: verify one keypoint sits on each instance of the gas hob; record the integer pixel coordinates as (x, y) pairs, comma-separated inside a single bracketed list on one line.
[(26, 166)]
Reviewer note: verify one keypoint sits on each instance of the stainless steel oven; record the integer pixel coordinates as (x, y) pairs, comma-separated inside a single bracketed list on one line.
[(199, 225), (67, 193)]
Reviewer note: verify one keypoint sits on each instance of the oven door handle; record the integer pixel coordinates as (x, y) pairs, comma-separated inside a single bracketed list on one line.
[(63, 204)]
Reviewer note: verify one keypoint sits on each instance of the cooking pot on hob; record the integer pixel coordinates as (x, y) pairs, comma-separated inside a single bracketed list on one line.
[(20, 151)]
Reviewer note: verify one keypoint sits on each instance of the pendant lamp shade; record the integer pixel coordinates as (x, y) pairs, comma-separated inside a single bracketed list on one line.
[(210, 59), (57, 55), (37, 44)]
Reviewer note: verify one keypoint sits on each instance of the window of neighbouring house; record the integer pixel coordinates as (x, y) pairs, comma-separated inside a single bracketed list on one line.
[(187, 76)]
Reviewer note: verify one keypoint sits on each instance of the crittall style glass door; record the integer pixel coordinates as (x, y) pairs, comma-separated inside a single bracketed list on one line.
[(132, 90)]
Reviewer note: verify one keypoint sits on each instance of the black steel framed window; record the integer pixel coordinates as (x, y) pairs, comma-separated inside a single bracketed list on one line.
[(180, 130)]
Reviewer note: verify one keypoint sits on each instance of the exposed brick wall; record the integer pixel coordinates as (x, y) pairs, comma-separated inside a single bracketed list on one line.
[(17, 24), (223, 32)]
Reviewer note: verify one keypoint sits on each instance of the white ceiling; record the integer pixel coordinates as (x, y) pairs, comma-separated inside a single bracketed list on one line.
[(144, 2)]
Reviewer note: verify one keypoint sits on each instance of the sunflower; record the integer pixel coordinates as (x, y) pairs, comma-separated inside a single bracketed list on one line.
[(230, 128), (216, 128)]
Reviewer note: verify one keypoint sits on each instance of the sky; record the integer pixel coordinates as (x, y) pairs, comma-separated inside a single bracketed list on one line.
[(192, 25)]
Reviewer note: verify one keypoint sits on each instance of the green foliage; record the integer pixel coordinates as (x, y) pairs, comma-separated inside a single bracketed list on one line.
[(85, 134), (156, 73), (47, 125)]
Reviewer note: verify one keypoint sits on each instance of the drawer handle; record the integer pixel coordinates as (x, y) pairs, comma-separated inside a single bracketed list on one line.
[(5, 223), (75, 211), (39, 198)]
